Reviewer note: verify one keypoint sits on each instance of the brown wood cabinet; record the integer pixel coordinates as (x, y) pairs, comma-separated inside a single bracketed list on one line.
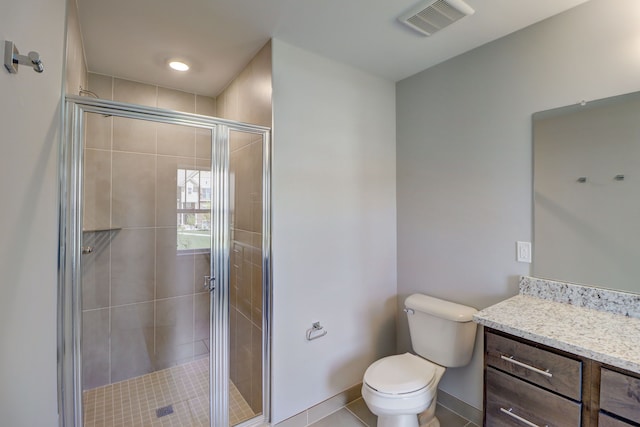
[(529, 384), (620, 395)]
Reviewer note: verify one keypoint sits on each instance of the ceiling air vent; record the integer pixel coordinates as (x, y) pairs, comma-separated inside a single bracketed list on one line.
[(433, 15)]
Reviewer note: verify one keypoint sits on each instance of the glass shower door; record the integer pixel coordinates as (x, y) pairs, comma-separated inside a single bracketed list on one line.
[(164, 300), (241, 265), (247, 299), (147, 200)]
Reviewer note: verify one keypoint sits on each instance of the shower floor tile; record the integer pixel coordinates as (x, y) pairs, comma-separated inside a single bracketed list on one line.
[(135, 402)]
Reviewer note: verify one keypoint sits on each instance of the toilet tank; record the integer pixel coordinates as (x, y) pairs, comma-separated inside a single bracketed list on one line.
[(441, 331)]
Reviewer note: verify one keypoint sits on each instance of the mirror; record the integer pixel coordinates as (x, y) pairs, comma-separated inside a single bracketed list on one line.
[(586, 199)]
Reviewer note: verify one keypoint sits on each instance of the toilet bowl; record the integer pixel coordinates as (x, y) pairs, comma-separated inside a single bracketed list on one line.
[(401, 390), (397, 388)]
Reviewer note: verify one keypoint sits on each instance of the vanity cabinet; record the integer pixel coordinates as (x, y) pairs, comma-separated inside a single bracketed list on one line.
[(528, 385), (511, 401)]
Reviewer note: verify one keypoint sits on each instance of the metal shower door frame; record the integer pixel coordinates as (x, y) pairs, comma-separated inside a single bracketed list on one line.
[(70, 247)]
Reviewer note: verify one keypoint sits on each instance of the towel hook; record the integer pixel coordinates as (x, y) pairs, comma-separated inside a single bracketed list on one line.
[(12, 59)]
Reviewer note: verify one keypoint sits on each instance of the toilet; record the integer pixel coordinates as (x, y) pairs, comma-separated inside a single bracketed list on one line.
[(401, 389)]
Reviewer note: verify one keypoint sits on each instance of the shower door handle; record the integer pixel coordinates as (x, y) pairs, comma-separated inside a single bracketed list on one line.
[(209, 283)]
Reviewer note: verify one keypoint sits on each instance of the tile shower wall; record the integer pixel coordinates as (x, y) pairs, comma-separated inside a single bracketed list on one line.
[(246, 268), (247, 99), (143, 308)]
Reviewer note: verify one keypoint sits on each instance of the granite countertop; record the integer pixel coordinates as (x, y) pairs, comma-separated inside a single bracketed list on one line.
[(606, 337)]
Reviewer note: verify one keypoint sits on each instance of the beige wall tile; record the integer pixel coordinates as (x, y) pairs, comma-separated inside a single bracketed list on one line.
[(256, 243), (255, 155), (256, 370), (240, 167), (176, 100), (200, 349), (203, 143), (132, 135), (233, 344), (131, 340), (244, 288), (256, 294), (133, 266), (176, 140), (174, 271), (221, 104), (96, 267), (243, 356), (239, 140), (97, 190), (95, 348), (261, 87), (227, 102), (174, 331), (99, 131), (248, 97), (206, 105), (134, 92), (101, 85), (235, 273), (134, 190), (202, 316), (202, 268), (256, 216), (203, 164)]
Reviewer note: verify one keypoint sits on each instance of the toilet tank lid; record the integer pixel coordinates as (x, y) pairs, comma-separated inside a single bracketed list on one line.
[(440, 308)]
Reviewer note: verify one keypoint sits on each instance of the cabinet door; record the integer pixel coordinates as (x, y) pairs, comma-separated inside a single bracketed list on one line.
[(620, 394), (514, 403), (605, 420), (552, 371)]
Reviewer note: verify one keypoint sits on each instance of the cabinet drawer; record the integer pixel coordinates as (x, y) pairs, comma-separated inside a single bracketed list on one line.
[(605, 420), (620, 394), (552, 371), (527, 402)]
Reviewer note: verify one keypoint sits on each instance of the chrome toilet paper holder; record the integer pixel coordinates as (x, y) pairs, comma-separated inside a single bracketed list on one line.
[(316, 331)]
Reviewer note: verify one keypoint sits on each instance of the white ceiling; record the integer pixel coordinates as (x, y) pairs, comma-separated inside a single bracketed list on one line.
[(133, 39)]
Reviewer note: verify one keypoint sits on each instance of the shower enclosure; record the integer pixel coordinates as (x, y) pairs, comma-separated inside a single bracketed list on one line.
[(164, 287)]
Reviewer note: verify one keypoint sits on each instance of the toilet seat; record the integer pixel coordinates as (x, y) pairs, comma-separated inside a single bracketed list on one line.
[(400, 374)]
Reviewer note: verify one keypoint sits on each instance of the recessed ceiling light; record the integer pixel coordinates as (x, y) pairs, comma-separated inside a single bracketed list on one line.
[(178, 66)]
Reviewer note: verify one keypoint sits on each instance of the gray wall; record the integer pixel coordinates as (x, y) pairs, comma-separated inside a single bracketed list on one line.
[(30, 119), (464, 153), (334, 225)]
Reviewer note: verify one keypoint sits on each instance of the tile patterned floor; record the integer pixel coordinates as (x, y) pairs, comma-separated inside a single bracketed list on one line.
[(134, 402), (356, 414)]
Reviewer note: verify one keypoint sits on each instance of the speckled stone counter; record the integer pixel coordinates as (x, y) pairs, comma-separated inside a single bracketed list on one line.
[(607, 337)]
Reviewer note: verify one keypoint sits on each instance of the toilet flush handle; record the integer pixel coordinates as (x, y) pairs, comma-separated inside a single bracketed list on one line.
[(409, 311)]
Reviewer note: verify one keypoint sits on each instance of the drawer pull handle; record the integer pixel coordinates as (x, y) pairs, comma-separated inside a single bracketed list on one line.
[(519, 418), (510, 359)]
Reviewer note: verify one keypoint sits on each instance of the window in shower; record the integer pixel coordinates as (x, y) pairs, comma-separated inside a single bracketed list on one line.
[(193, 209)]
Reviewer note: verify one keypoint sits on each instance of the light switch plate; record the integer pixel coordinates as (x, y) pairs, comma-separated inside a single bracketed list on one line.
[(523, 252)]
